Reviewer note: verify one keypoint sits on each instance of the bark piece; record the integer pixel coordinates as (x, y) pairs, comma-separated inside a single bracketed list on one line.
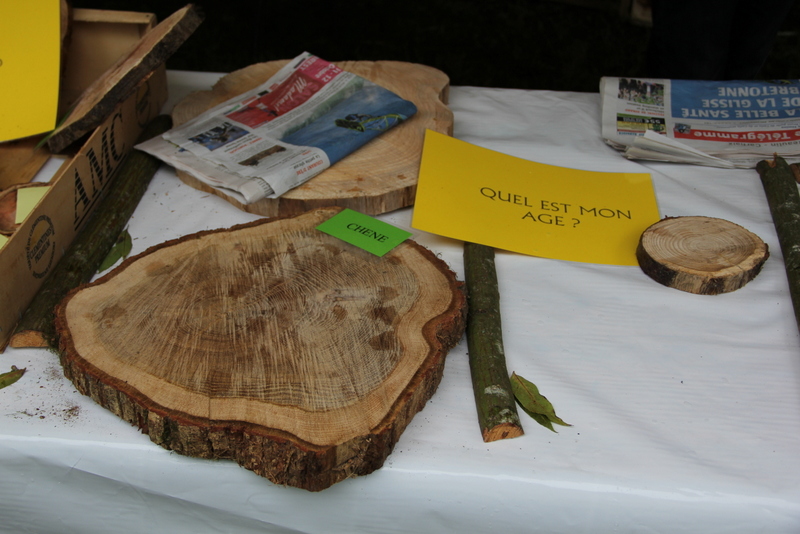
[(795, 168), (295, 354), (120, 81), (494, 398), (379, 177), (90, 247), (701, 255), (780, 186)]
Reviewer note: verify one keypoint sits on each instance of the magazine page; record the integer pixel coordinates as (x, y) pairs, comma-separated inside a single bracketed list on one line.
[(739, 122), (280, 134)]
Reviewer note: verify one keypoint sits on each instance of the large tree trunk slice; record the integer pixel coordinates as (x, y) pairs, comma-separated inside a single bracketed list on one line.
[(701, 255), (379, 177), (299, 356)]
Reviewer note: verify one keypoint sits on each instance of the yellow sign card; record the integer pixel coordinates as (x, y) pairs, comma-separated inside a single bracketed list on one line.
[(479, 195), (30, 58)]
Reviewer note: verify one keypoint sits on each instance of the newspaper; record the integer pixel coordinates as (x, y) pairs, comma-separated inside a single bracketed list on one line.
[(732, 124), (277, 136)]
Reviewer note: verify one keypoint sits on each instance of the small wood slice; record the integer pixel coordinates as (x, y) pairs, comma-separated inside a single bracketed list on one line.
[(701, 255), (296, 354), (377, 178)]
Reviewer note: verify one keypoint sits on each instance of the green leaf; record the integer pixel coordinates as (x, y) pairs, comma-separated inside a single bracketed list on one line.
[(120, 250), (534, 403), (6, 379)]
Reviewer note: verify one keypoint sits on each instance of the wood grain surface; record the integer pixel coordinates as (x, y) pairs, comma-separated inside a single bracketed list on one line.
[(701, 255), (377, 178), (299, 356)]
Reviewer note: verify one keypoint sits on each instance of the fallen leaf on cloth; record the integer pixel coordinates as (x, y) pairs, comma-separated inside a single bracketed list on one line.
[(534, 403), (120, 250), (6, 379)]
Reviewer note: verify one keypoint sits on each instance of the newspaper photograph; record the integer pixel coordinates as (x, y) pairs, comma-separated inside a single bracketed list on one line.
[(723, 124), (266, 141)]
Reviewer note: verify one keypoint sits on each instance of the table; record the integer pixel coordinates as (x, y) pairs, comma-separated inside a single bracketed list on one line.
[(685, 408)]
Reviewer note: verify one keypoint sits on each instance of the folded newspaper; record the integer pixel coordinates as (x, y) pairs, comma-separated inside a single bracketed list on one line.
[(266, 141), (732, 124)]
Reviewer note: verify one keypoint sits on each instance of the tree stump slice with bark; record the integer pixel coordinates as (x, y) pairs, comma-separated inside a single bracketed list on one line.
[(297, 355), (377, 178), (701, 255)]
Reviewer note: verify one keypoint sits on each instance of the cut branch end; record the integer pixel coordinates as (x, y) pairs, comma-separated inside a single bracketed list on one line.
[(502, 431)]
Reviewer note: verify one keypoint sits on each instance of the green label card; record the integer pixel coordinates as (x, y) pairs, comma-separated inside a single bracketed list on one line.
[(363, 231)]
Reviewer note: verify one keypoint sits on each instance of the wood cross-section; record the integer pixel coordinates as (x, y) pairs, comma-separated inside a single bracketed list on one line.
[(296, 354)]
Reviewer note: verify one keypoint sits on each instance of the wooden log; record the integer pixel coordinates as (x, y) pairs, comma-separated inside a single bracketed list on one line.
[(700, 255), (87, 251), (379, 177), (780, 188), (299, 356), (494, 398), (120, 81)]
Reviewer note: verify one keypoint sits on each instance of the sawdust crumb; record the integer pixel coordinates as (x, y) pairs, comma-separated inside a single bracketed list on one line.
[(71, 412)]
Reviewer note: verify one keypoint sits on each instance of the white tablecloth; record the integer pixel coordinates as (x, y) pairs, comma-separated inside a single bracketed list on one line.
[(686, 408)]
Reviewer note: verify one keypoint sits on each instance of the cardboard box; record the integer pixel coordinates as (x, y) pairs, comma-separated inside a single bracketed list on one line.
[(36, 247), (97, 40)]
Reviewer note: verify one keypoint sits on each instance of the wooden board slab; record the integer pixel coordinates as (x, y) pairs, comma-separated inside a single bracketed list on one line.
[(120, 81), (299, 356), (379, 177)]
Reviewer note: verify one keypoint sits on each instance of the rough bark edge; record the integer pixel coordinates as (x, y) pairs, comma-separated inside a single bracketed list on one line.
[(494, 398), (176, 29), (780, 188), (274, 454), (708, 285)]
